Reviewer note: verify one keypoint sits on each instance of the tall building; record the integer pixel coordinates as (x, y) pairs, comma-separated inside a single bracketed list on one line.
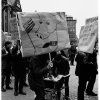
[(71, 23), (9, 9)]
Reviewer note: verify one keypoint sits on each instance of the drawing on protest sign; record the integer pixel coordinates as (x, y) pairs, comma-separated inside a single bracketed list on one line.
[(87, 38), (14, 28), (43, 32)]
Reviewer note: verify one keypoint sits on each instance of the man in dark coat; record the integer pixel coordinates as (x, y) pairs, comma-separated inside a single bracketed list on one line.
[(6, 65), (38, 68), (18, 69), (61, 68), (83, 71)]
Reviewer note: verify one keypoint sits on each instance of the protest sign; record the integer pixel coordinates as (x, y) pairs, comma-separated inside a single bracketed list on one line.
[(87, 38), (14, 28), (90, 20), (43, 32)]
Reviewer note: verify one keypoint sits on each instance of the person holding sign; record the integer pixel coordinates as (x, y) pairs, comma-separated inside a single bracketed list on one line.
[(86, 71), (18, 69), (81, 72), (93, 72), (38, 68)]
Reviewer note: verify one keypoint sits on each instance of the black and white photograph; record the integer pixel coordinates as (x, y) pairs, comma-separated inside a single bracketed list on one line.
[(49, 50)]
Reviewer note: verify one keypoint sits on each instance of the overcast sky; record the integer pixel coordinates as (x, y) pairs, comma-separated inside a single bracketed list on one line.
[(79, 9)]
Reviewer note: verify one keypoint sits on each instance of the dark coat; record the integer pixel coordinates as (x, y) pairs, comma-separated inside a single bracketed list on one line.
[(6, 59), (60, 67), (85, 65), (93, 65), (81, 68), (37, 71), (18, 67)]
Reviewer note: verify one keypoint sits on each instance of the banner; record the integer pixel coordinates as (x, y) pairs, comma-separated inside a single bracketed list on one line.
[(87, 38), (14, 28), (43, 32)]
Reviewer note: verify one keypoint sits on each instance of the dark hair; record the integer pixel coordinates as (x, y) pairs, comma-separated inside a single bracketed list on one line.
[(7, 43)]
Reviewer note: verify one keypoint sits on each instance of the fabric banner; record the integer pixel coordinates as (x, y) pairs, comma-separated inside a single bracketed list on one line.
[(14, 28), (43, 32), (87, 38)]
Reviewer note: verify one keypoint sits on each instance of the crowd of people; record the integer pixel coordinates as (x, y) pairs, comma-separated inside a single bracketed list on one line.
[(38, 67)]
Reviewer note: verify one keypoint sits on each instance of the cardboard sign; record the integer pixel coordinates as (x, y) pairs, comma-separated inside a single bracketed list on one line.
[(14, 28), (88, 37), (43, 32), (90, 20)]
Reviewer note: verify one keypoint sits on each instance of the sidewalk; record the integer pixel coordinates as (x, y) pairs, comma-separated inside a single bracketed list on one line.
[(73, 83)]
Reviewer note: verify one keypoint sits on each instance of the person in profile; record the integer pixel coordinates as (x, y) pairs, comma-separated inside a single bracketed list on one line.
[(6, 66)]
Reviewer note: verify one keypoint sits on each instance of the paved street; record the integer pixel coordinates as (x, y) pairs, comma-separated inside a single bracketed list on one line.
[(73, 82)]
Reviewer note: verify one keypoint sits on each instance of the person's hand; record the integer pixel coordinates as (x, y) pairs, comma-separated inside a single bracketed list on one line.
[(6, 52), (18, 51), (56, 79), (50, 65)]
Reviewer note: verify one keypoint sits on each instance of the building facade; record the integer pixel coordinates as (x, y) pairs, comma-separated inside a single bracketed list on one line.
[(9, 9), (71, 23)]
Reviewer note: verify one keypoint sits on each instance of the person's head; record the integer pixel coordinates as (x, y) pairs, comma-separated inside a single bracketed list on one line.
[(8, 44)]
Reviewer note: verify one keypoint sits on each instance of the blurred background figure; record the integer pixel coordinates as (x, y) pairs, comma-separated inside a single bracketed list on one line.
[(72, 54)]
